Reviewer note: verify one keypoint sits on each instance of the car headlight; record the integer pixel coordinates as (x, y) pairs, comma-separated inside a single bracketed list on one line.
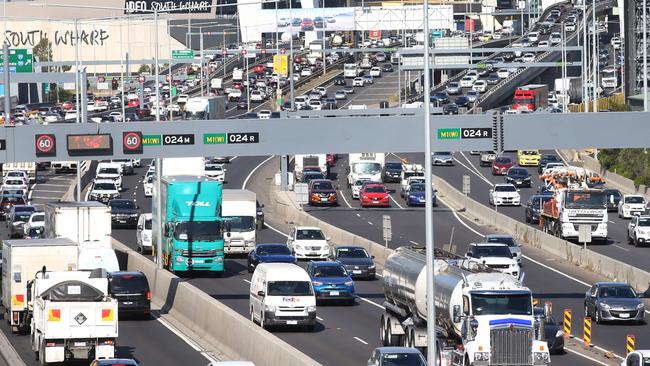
[(134, 215), (349, 283), (527, 178), (249, 242), (640, 306), (604, 305), (541, 356), (559, 333), (371, 267), (311, 308), (270, 308), (316, 283), (298, 247), (482, 356)]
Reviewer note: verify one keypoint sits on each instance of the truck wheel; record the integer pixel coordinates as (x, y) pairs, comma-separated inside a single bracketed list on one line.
[(382, 331), (262, 322)]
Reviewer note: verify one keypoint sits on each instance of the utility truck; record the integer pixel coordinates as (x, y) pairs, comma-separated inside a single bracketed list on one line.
[(239, 213), (483, 317), (74, 318), (203, 108), (302, 161)]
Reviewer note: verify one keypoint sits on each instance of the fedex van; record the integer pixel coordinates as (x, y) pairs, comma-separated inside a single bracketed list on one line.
[(281, 294)]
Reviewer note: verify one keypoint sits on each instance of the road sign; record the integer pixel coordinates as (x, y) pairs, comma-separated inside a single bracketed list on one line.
[(449, 134), (302, 193), (375, 34), (386, 225), (45, 145), (182, 54), (476, 133), (151, 140), (584, 234), (132, 142), (141, 79), (437, 34), (178, 139), (283, 51), (466, 186), (281, 64), (20, 60)]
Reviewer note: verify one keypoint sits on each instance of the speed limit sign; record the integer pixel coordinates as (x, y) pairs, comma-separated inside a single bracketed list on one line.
[(283, 50), (132, 142), (243, 52), (224, 51), (168, 78), (45, 145), (141, 79)]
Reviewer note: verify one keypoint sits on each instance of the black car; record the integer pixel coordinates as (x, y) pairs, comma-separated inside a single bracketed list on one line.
[(533, 207), (392, 171), (442, 97), (545, 159), (492, 79), (355, 260), (260, 215), (508, 56), (462, 101), (339, 80), (329, 103), (613, 198), (519, 177), (387, 68), (242, 104), (450, 108), (286, 106), (124, 212), (553, 333), (131, 289), (309, 176)]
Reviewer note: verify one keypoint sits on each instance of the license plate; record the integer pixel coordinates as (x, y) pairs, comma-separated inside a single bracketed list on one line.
[(313, 253), (80, 344), (334, 293), (198, 260), (122, 221), (128, 303), (356, 272), (323, 199), (292, 322), (624, 315)]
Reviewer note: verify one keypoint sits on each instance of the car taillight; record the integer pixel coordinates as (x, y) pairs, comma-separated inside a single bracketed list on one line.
[(148, 295)]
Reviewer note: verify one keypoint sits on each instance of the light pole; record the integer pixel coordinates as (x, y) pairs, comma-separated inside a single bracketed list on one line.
[(564, 74), (585, 58), (645, 57), (594, 57)]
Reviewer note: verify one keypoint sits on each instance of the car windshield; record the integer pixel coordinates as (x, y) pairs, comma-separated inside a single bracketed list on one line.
[(330, 271), (239, 224), (104, 187), (502, 240), (13, 200), (393, 166), (585, 199), (510, 304), (214, 167), (617, 292), (502, 160), (417, 187), (21, 216), (491, 251), (505, 189), (273, 249), (309, 235), (38, 218), (109, 171), (366, 168), (14, 182), (198, 230), (402, 359), (614, 193), (518, 171), (644, 221), (634, 199), (360, 182), (147, 224), (375, 189), (442, 153), (129, 283), (351, 253), (322, 185), (289, 288), (122, 204)]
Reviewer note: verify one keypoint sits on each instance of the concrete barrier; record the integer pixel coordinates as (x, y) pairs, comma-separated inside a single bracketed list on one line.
[(210, 320), (528, 235)]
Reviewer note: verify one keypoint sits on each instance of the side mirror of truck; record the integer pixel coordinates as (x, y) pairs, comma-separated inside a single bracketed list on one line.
[(261, 293), (456, 314), (139, 227)]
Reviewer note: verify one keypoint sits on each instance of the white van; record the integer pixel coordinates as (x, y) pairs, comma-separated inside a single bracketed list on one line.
[(97, 256), (282, 294)]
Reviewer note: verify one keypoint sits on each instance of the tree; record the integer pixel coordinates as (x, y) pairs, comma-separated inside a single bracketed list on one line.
[(144, 69), (43, 52)]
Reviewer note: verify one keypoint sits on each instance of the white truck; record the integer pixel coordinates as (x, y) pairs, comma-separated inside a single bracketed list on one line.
[(22, 259), (183, 166), (609, 78), (300, 161), (201, 108), (351, 70), (73, 316), (237, 74), (239, 212), (216, 84), (64, 166), (483, 317), (82, 222), (29, 168), (365, 166)]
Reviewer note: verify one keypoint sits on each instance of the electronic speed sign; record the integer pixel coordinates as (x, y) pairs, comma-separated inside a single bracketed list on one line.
[(45, 145), (141, 79), (132, 142)]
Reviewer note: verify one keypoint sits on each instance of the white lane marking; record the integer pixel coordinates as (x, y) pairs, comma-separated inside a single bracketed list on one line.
[(371, 302), (345, 199), (562, 157), (360, 340), (370, 223), (358, 215), (397, 203), (50, 184), (186, 339), (247, 281), (233, 158), (585, 356), (598, 348), (473, 172), (611, 222), (319, 318), (473, 166), (460, 220), (243, 186), (413, 242), (620, 247), (87, 195), (276, 230)]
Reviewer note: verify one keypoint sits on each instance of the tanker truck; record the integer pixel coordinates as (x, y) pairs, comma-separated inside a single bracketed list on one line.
[(483, 317)]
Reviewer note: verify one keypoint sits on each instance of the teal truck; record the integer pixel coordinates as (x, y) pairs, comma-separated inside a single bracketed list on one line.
[(191, 223)]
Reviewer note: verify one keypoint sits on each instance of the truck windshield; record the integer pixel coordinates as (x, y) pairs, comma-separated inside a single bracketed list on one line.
[(493, 304), (239, 224), (109, 171), (198, 230), (366, 168), (289, 288), (402, 359), (585, 200), (413, 174)]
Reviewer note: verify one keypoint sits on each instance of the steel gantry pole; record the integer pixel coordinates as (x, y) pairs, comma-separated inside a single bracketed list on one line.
[(158, 213), (594, 58), (585, 58), (78, 98), (645, 56), (431, 309)]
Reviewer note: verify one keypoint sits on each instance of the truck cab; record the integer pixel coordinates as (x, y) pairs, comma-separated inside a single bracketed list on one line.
[(239, 214)]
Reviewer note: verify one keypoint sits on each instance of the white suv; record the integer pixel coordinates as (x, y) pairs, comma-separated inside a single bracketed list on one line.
[(638, 230), (495, 256), (504, 194), (308, 242), (215, 171), (631, 205), (147, 185), (143, 236), (104, 190)]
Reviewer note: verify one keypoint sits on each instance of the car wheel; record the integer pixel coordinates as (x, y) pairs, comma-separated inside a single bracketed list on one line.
[(262, 322), (629, 239), (527, 219), (251, 269), (636, 241), (597, 316)]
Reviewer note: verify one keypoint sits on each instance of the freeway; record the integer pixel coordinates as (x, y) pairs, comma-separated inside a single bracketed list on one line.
[(50, 186)]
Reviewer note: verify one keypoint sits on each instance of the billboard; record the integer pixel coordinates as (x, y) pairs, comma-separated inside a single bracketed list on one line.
[(168, 6), (281, 64)]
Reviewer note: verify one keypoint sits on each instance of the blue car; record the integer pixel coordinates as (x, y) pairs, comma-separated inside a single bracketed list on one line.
[(269, 253), (415, 195), (331, 281)]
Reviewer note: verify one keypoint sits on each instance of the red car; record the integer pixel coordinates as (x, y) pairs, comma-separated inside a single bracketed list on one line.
[(258, 69), (134, 102), (501, 164), (66, 106), (374, 194)]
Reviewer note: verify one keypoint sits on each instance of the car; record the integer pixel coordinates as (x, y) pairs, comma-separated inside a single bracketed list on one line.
[(553, 333), (503, 73), (17, 174), (340, 95), (17, 218), (144, 234), (103, 190), (442, 97), (316, 105), (124, 212), (480, 86), (356, 188), (114, 362), (630, 205), (501, 164), (570, 27), (127, 165), (545, 159), (555, 38), (462, 101), (367, 79), (349, 89), (492, 79), (305, 71), (339, 80), (543, 44), (256, 96), (110, 171), (393, 356), (528, 57), (308, 242), (356, 261), (472, 96), (374, 194), (487, 158), (269, 253), (415, 195), (375, 72), (453, 88), (392, 171), (515, 248), (15, 184), (494, 255), (307, 24), (533, 36), (638, 230), (331, 281), (504, 194), (466, 82), (312, 175), (322, 192), (472, 74), (528, 157), (519, 177), (329, 104), (450, 108), (314, 95), (442, 158), (131, 290), (36, 220), (534, 207), (613, 198), (215, 171), (387, 68), (614, 301)]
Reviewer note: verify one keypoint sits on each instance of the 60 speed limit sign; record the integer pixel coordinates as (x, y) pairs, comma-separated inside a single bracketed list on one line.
[(132, 142), (45, 145)]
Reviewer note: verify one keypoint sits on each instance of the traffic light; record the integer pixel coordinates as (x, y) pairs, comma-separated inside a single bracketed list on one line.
[(114, 84)]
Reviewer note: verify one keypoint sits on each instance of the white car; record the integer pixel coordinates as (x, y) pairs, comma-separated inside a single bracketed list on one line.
[(117, 116), (533, 36), (356, 188), (264, 114), (90, 106), (315, 105), (570, 27), (630, 205), (357, 82), (480, 86), (13, 184), (17, 174), (308, 242), (103, 190), (494, 255), (147, 185), (616, 42), (112, 173), (36, 219), (256, 96), (144, 234), (466, 82), (503, 73), (543, 44), (321, 90), (638, 230), (555, 38), (300, 101), (472, 95), (375, 72), (515, 248), (472, 74), (528, 57), (234, 94), (182, 98), (504, 194), (215, 171), (305, 72), (174, 108)]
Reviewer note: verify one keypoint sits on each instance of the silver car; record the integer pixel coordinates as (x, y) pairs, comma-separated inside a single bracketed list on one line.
[(515, 248), (614, 301), (442, 158), (453, 88)]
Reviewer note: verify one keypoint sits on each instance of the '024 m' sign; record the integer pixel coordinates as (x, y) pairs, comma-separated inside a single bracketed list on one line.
[(167, 6)]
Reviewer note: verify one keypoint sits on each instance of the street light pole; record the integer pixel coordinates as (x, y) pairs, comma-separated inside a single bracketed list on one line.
[(645, 57), (594, 58), (585, 58), (202, 58), (158, 213)]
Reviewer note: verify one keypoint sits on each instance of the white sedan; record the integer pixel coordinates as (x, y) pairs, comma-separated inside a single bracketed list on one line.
[(504, 194), (357, 82), (308, 242), (375, 72), (466, 82), (480, 86), (503, 73), (528, 57), (256, 96), (15, 184)]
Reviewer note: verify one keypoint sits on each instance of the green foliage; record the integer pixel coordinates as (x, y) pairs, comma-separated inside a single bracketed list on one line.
[(630, 163), (144, 69)]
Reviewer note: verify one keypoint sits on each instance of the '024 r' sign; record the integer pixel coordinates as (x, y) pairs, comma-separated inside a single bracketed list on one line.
[(167, 6)]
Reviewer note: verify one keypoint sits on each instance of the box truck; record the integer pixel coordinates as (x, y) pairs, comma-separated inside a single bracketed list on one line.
[(82, 222), (239, 213)]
